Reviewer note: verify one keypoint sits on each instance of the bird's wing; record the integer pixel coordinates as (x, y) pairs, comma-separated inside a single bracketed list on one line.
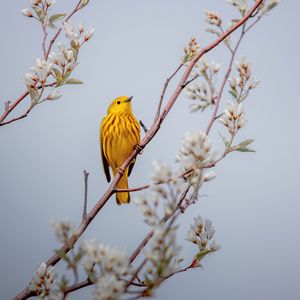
[(131, 167), (104, 161)]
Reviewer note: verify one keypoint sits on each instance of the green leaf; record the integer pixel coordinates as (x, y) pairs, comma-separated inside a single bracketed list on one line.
[(83, 3), (56, 17), (58, 75), (244, 149), (233, 93), (246, 143), (40, 13), (73, 81), (243, 146)]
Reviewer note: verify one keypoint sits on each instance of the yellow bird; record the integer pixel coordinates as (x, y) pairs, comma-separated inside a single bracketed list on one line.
[(119, 134)]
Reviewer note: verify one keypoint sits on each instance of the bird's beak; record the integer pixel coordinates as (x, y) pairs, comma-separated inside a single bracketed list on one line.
[(129, 99)]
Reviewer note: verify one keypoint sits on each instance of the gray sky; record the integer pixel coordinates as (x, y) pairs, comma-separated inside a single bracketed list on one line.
[(254, 200)]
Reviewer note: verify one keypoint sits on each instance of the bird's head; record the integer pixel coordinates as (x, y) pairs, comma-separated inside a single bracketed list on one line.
[(120, 105)]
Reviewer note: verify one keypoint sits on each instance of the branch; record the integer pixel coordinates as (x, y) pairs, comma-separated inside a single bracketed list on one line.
[(233, 53), (86, 176), (164, 91), (19, 100), (148, 137)]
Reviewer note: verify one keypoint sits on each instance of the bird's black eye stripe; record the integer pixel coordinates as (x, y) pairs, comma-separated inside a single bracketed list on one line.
[(118, 102)]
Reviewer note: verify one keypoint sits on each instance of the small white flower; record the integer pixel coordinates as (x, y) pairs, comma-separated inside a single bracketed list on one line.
[(108, 287), (214, 246), (161, 172), (62, 228), (213, 18), (233, 117), (208, 176), (43, 280), (148, 212), (208, 229), (253, 83), (27, 12), (195, 150), (54, 95), (244, 68), (70, 32), (30, 79), (89, 34), (50, 2)]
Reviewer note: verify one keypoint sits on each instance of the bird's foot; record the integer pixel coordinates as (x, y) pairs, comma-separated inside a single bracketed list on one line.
[(119, 170), (138, 148)]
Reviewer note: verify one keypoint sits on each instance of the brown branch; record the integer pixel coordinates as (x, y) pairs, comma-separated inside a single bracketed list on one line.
[(6, 113), (148, 137)]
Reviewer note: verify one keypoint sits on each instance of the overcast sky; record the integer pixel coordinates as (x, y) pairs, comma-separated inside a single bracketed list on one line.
[(254, 200)]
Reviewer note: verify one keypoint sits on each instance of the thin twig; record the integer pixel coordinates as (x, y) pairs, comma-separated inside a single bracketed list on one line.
[(19, 100), (86, 176), (215, 112), (164, 91), (143, 126)]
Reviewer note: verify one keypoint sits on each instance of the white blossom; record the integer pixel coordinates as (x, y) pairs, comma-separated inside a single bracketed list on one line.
[(43, 280), (253, 83), (50, 2), (213, 18), (149, 213), (195, 150), (108, 287), (27, 12), (233, 117), (244, 68), (163, 251), (241, 5), (161, 172), (54, 95), (214, 246), (201, 233), (62, 229), (208, 176), (89, 34), (38, 73), (70, 31), (110, 259)]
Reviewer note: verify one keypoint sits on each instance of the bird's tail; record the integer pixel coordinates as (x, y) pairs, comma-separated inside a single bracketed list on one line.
[(123, 197)]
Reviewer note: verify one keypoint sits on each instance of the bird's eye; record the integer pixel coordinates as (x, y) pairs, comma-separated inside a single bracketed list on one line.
[(119, 102)]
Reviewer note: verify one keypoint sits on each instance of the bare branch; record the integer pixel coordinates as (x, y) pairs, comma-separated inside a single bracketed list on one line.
[(86, 176)]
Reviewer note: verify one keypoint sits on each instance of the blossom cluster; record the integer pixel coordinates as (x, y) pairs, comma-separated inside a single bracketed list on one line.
[(195, 151), (60, 64), (162, 255), (201, 234), (213, 18), (62, 230), (105, 266), (205, 91), (43, 281), (191, 50), (233, 117)]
